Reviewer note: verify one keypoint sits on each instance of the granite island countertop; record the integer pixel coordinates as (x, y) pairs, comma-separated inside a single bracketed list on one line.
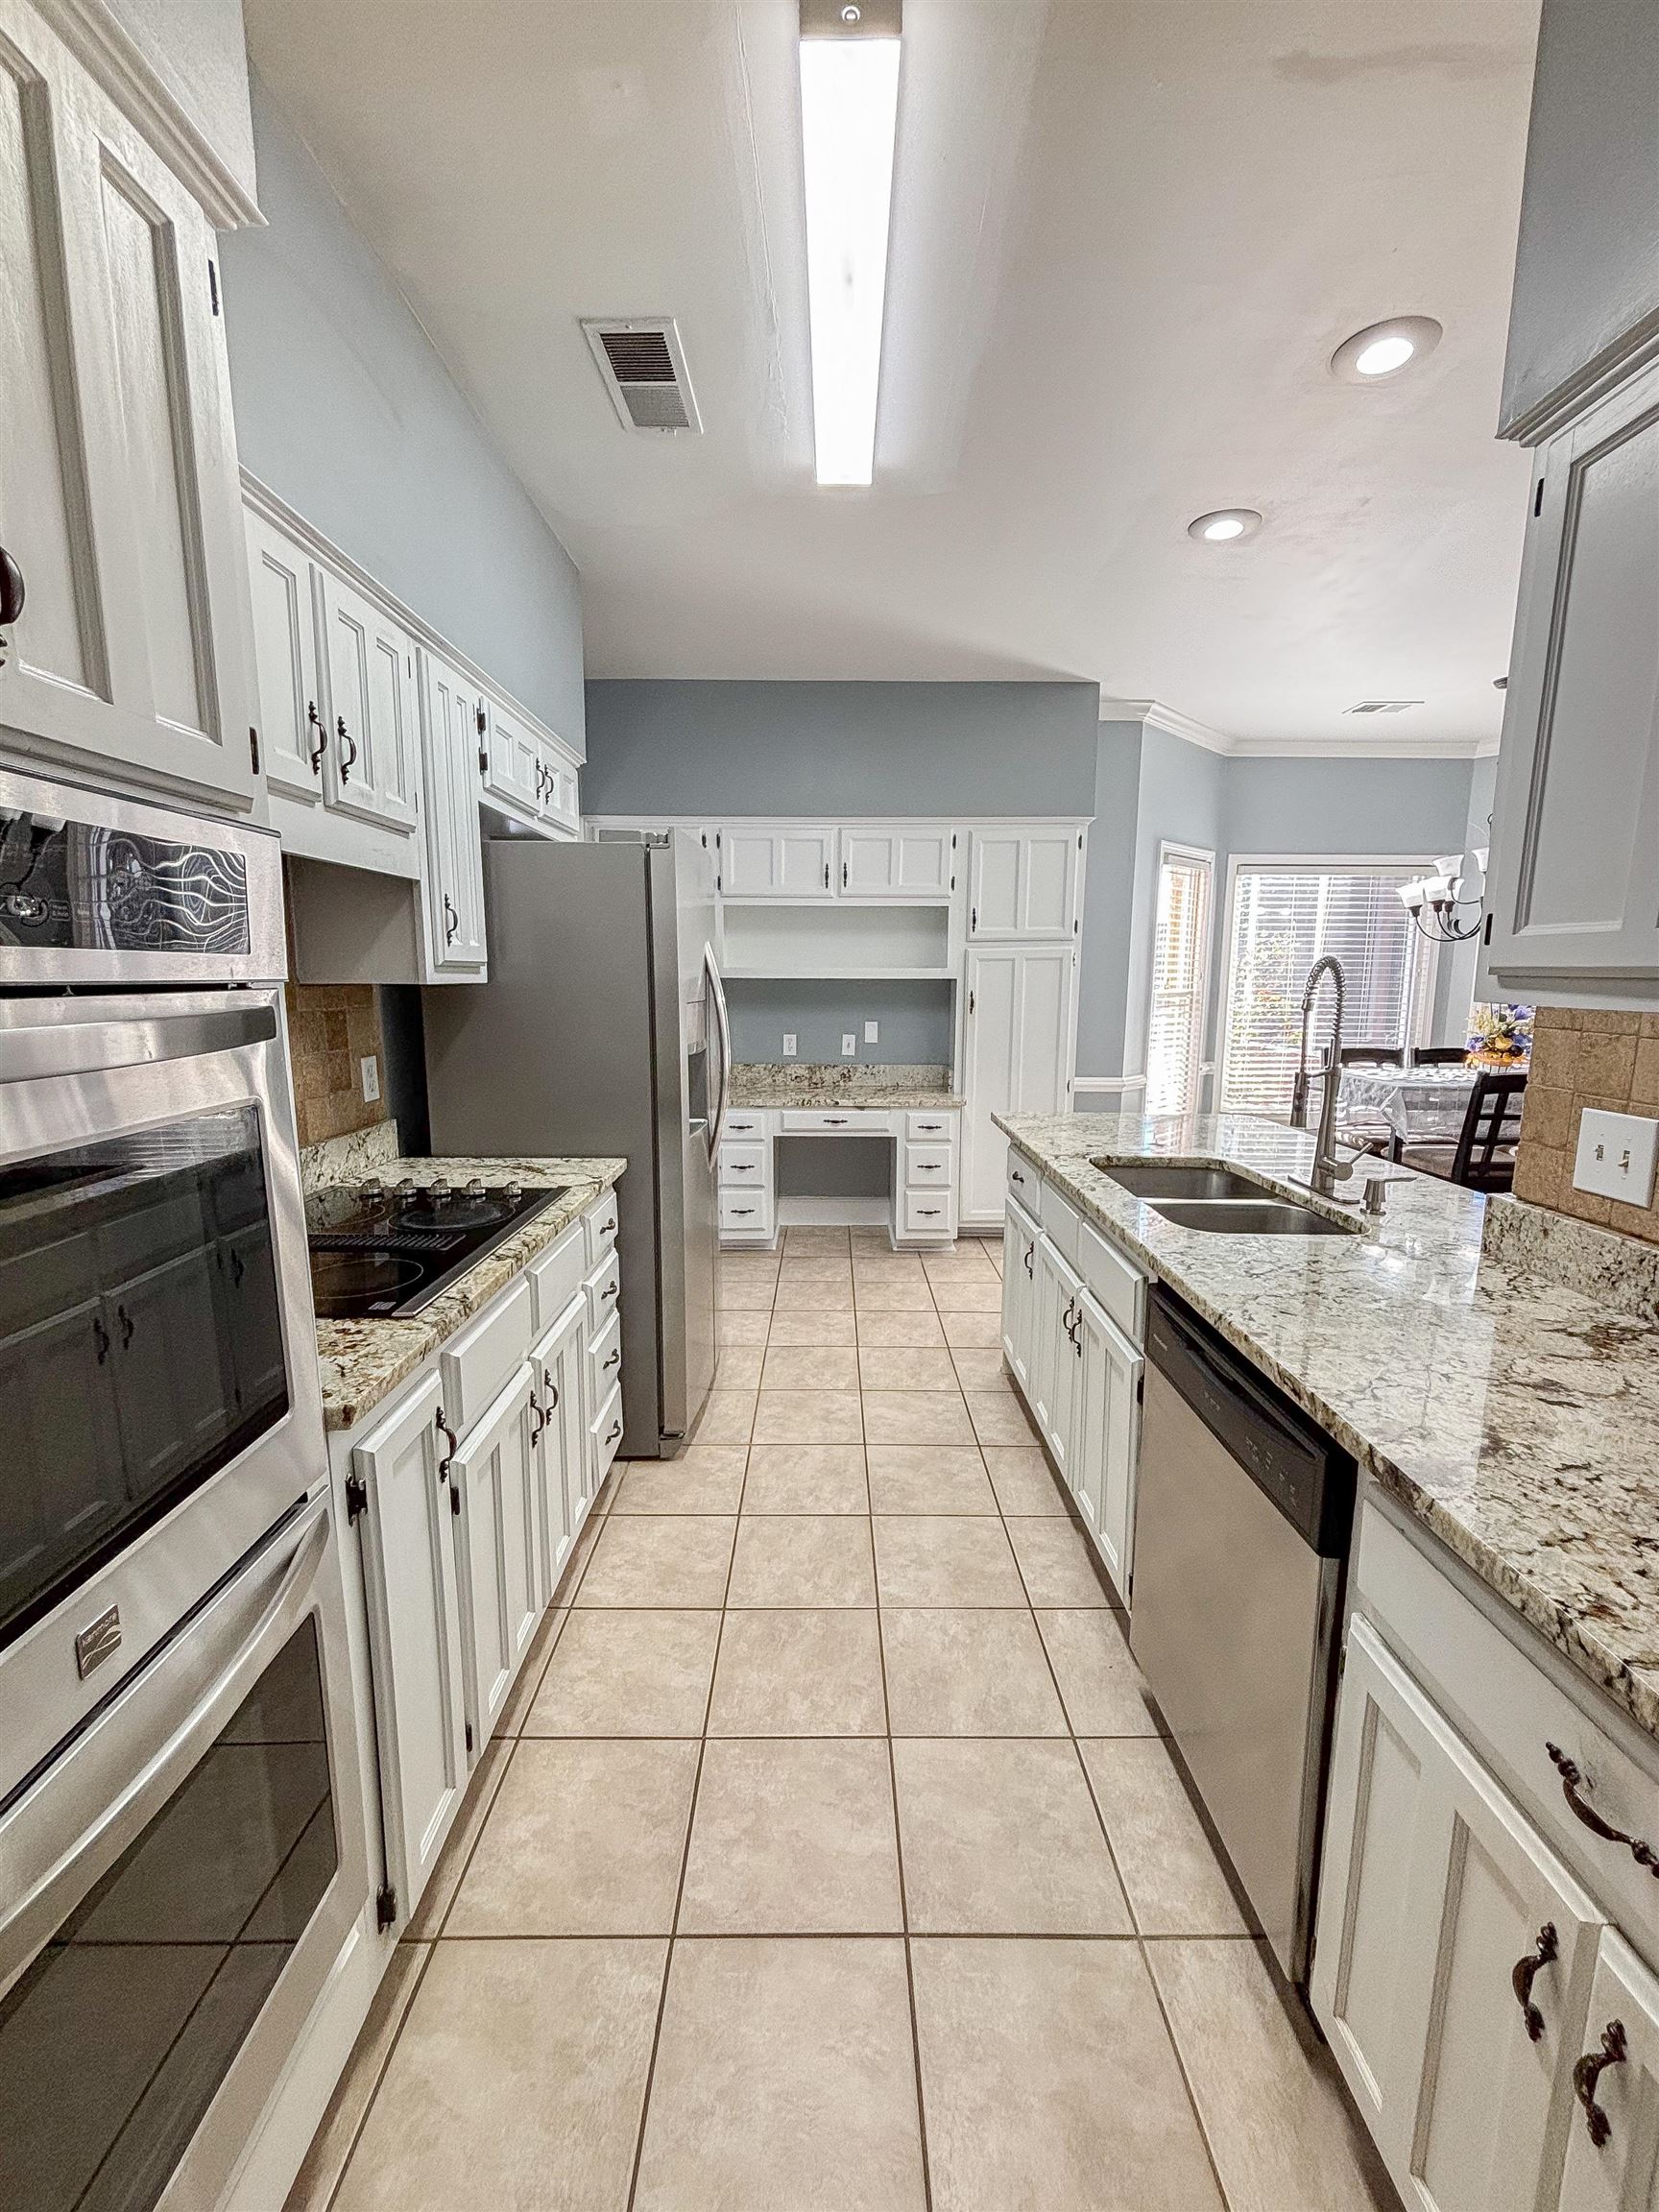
[(780, 1082), (362, 1362), (1513, 1413)]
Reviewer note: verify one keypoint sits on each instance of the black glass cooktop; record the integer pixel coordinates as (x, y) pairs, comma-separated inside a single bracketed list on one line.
[(384, 1250)]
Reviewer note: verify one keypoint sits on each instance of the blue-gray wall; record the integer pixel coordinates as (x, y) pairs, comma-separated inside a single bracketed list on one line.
[(345, 411), (714, 748), (913, 1020)]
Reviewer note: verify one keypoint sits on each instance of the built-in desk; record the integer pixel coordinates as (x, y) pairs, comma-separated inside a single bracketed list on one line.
[(919, 1126)]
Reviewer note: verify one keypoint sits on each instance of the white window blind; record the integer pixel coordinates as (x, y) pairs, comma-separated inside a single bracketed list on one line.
[(1180, 983), (1283, 918)]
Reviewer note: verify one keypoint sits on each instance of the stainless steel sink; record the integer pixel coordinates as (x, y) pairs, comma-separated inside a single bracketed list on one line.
[(1261, 1216), (1177, 1179)]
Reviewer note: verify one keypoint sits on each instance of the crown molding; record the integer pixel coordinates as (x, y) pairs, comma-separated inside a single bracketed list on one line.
[(1362, 746), (113, 58)]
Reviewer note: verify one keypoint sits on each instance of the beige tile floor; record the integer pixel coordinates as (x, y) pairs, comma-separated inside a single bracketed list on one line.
[(828, 1854)]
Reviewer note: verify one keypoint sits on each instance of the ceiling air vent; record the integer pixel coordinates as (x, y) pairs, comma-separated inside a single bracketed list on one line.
[(644, 371), (1382, 706)]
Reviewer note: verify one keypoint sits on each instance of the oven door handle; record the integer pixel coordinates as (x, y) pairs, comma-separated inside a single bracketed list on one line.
[(89, 1047), (77, 1817)]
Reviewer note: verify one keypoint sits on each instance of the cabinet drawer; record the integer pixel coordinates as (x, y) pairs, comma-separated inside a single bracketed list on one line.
[(1061, 1221), (743, 1166), (477, 1365), (746, 1213), (928, 1166), (1511, 1710), (1025, 1182), (606, 1434), (929, 1213), (558, 1273), (835, 1121), (600, 1223), (1114, 1279), (605, 1359), (604, 1293), (744, 1121), (939, 1128)]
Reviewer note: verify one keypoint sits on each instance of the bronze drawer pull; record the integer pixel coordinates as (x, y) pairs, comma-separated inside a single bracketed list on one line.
[(1587, 2073), (1572, 1781), (1525, 1972)]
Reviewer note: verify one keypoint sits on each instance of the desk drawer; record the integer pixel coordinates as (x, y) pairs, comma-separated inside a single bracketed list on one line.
[(746, 1213), (744, 1121), (930, 1214), (557, 1274), (743, 1166), (928, 1166), (600, 1223), (476, 1365), (931, 1128), (834, 1121), (604, 1293)]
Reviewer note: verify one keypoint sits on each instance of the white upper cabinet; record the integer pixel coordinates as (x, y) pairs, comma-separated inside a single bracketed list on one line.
[(1024, 882), (371, 767), (796, 862), (453, 880), (119, 500), (293, 731), (523, 772), (1574, 879), (897, 861)]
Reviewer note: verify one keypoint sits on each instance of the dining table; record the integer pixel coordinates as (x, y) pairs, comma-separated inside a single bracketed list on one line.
[(1408, 1105)]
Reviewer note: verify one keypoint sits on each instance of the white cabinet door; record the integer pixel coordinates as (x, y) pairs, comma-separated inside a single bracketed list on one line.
[(494, 1472), (415, 1646), (1024, 882), (293, 735), (119, 497), (557, 804), (796, 863), (1613, 2143), (559, 1361), (1108, 1438), (1019, 1295), (452, 884), (900, 860), (510, 758), (1436, 1893), (1575, 850), (1054, 1361), (1016, 1051), (371, 766)]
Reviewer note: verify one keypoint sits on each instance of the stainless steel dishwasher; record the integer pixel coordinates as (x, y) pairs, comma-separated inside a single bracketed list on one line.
[(1242, 1520)]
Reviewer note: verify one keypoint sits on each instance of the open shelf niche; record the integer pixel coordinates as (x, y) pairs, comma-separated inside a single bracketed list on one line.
[(837, 941)]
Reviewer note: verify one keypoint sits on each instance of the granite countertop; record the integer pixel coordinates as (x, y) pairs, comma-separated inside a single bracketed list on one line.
[(776, 1083), (1507, 1398), (364, 1362)]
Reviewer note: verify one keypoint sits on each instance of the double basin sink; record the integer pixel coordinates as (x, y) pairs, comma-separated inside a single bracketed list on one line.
[(1220, 1200)]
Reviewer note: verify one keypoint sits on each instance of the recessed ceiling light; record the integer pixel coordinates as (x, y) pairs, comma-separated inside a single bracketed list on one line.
[(1373, 356), (1225, 526)]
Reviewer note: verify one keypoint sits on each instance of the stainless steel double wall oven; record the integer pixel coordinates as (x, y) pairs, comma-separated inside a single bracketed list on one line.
[(182, 1847)]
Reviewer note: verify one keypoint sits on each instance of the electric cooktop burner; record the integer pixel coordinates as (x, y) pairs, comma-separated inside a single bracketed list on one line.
[(384, 1250)]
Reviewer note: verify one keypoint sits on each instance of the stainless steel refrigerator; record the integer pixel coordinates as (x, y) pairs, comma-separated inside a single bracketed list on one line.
[(603, 1029)]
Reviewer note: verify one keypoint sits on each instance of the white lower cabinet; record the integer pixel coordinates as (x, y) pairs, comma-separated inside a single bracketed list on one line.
[(492, 1476), (400, 1500), (559, 1359), (1613, 2140), (1055, 1359), (1019, 1294), (1107, 1437), (1016, 1051)]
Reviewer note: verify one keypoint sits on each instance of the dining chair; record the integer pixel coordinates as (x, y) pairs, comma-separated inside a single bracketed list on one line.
[(1438, 1055), (1484, 1157)]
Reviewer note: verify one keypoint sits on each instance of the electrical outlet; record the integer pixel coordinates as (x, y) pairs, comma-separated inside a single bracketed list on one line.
[(870, 1033), (789, 1044), (368, 1068), (848, 1044), (1615, 1156)]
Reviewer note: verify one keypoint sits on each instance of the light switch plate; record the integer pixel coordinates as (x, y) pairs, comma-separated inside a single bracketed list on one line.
[(1615, 1156), (369, 1067), (848, 1044), (789, 1044), (871, 1034)]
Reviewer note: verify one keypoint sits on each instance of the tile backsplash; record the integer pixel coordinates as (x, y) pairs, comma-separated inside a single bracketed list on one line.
[(331, 1026), (1584, 1057)]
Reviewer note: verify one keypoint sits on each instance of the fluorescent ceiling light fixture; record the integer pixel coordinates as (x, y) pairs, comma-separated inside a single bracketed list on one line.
[(849, 119), (1383, 350), (1224, 525)]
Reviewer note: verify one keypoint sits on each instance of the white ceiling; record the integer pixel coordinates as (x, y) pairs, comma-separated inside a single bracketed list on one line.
[(1127, 236)]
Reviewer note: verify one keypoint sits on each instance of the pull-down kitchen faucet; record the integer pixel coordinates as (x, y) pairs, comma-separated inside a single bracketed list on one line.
[(1327, 1168)]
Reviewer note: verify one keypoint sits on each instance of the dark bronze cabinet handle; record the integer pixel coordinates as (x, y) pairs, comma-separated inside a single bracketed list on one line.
[(541, 1418), (843, 875), (552, 1389), (608, 1228), (319, 736), (12, 592), (451, 920), (1587, 2073), (449, 1437), (127, 1326), (826, 875), (835, 1121), (609, 1291), (1030, 1269), (345, 739), (1525, 1972), (100, 1337), (1572, 1782), (613, 1432), (615, 1359)]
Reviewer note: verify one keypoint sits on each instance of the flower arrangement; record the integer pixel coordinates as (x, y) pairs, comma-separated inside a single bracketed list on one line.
[(1501, 1036)]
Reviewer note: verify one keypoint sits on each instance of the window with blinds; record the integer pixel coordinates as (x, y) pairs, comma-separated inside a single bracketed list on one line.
[(1180, 982), (1283, 918)]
